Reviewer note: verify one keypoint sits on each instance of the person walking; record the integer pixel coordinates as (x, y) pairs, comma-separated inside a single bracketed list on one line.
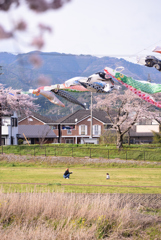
[(67, 174), (107, 176)]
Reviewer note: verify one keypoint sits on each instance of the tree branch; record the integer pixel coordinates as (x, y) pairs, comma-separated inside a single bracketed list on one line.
[(108, 113), (134, 121)]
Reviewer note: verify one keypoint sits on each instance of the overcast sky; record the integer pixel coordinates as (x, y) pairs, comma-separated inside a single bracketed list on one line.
[(95, 27)]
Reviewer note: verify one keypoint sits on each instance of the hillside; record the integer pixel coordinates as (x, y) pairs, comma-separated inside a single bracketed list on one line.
[(19, 73)]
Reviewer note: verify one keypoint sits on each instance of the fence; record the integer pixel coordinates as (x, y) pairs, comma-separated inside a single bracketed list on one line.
[(151, 155)]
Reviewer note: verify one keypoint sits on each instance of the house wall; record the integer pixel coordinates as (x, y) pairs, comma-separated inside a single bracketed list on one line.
[(141, 139), (147, 128), (5, 130), (8, 131), (30, 121), (87, 122), (69, 139), (75, 132), (73, 135), (56, 132), (46, 140), (14, 132), (6, 137)]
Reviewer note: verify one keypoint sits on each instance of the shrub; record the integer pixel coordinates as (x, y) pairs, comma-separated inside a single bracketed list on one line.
[(20, 141)]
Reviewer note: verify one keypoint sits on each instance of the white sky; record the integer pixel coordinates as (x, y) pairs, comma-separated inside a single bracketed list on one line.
[(118, 28)]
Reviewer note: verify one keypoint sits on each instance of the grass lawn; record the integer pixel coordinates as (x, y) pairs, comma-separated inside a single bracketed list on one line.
[(122, 180), (150, 152), (43, 210)]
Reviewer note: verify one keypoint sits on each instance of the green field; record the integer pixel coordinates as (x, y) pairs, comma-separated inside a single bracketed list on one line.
[(150, 152), (34, 199), (122, 180)]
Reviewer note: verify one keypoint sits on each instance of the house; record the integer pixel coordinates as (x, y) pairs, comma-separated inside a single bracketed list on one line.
[(36, 129), (76, 127), (34, 119), (142, 132), (36, 134), (9, 130)]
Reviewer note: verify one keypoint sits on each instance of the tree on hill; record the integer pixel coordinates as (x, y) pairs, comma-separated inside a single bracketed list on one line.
[(124, 110)]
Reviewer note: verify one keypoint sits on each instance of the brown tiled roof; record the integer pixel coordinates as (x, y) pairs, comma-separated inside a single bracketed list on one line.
[(38, 116), (36, 131), (81, 114)]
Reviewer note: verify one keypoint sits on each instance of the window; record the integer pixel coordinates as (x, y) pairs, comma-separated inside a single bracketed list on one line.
[(144, 121), (96, 129), (82, 130), (108, 126), (69, 141), (14, 122), (53, 127), (69, 131), (5, 122)]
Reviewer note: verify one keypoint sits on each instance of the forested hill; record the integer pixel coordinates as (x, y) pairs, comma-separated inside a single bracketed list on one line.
[(19, 73)]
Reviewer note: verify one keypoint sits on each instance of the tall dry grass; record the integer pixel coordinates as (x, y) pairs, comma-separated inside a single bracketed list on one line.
[(50, 216)]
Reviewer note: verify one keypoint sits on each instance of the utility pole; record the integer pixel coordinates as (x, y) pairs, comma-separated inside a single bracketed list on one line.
[(59, 133), (149, 78), (0, 124), (0, 117), (91, 117)]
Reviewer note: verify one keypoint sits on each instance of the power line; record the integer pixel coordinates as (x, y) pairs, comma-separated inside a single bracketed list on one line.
[(148, 47)]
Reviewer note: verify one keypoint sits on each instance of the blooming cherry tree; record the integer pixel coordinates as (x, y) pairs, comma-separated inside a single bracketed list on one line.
[(14, 101), (124, 110)]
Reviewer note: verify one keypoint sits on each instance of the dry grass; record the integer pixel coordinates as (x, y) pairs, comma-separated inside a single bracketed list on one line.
[(52, 160), (50, 216), (71, 216)]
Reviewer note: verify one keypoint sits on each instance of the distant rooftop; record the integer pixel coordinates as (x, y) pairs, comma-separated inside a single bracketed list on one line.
[(81, 114), (44, 119), (36, 131)]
